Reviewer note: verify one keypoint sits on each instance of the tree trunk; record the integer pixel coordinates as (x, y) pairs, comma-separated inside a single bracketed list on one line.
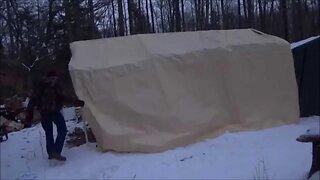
[(177, 15), (300, 19), (250, 12), (114, 19), (201, 12), (139, 5), (91, 16), (171, 17), (161, 14), (211, 14), (261, 16), (125, 18), (77, 32), (120, 18), (245, 10), (193, 17), (182, 12), (147, 15), (152, 16), (271, 15), (39, 34), (9, 16), (223, 15), (197, 14), (239, 14), (265, 14), (313, 18), (49, 23), (106, 33), (129, 2), (68, 21), (207, 15), (283, 7), (218, 14)]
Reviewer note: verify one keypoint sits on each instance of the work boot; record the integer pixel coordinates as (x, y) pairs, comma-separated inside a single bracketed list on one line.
[(57, 157), (50, 156)]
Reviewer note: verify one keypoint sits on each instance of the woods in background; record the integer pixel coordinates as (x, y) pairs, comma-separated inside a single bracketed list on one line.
[(35, 34)]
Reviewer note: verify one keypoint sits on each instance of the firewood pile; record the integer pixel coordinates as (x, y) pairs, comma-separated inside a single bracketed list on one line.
[(77, 137), (12, 116)]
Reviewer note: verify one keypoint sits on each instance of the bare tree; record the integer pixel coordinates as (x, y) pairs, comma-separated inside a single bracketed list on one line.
[(68, 20), (183, 18), (223, 14), (239, 14), (207, 15), (261, 15), (129, 2), (125, 17), (197, 14), (9, 23), (147, 14), (176, 10), (250, 12), (161, 7), (170, 16), (120, 18), (114, 19), (283, 7), (92, 18), (152, 16)]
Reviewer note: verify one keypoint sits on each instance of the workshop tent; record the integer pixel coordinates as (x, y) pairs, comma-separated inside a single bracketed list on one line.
[(153, 92)]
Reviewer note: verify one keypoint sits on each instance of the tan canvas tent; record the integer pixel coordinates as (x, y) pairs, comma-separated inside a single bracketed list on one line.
[(153, 92)]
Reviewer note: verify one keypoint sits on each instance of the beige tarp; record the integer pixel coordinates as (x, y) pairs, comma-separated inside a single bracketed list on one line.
[(153, 92)]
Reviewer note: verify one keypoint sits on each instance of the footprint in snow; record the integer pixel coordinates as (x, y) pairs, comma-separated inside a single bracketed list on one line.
[(183, 159), (29, 176)]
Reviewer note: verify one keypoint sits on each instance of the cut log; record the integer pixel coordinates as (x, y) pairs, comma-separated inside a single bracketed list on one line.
[(312, 136)]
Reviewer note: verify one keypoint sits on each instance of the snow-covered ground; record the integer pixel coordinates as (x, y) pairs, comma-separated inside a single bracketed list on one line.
[(267, 154)]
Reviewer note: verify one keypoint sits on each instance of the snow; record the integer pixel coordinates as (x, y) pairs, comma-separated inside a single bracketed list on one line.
[(267, 154), (296, 44), (26, 102), (315, 131), (310, 135), (69, 113), (315, 176)]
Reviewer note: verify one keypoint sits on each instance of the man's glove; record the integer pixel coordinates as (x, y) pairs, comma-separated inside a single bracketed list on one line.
[(79, 103)]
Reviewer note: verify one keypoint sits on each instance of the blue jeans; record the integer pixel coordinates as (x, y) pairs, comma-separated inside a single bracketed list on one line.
[(47, 121)]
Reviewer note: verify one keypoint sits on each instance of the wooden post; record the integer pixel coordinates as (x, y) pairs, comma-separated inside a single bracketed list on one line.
[(315, 140), (315, 158)]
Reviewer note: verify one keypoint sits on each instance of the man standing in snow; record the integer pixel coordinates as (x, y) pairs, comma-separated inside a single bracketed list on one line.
[(48, 99)]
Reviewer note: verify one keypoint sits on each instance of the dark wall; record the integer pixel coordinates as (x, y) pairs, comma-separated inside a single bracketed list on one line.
[(307, 69)]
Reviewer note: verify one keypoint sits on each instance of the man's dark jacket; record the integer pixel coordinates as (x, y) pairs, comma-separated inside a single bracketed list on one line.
[(49, 99)]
